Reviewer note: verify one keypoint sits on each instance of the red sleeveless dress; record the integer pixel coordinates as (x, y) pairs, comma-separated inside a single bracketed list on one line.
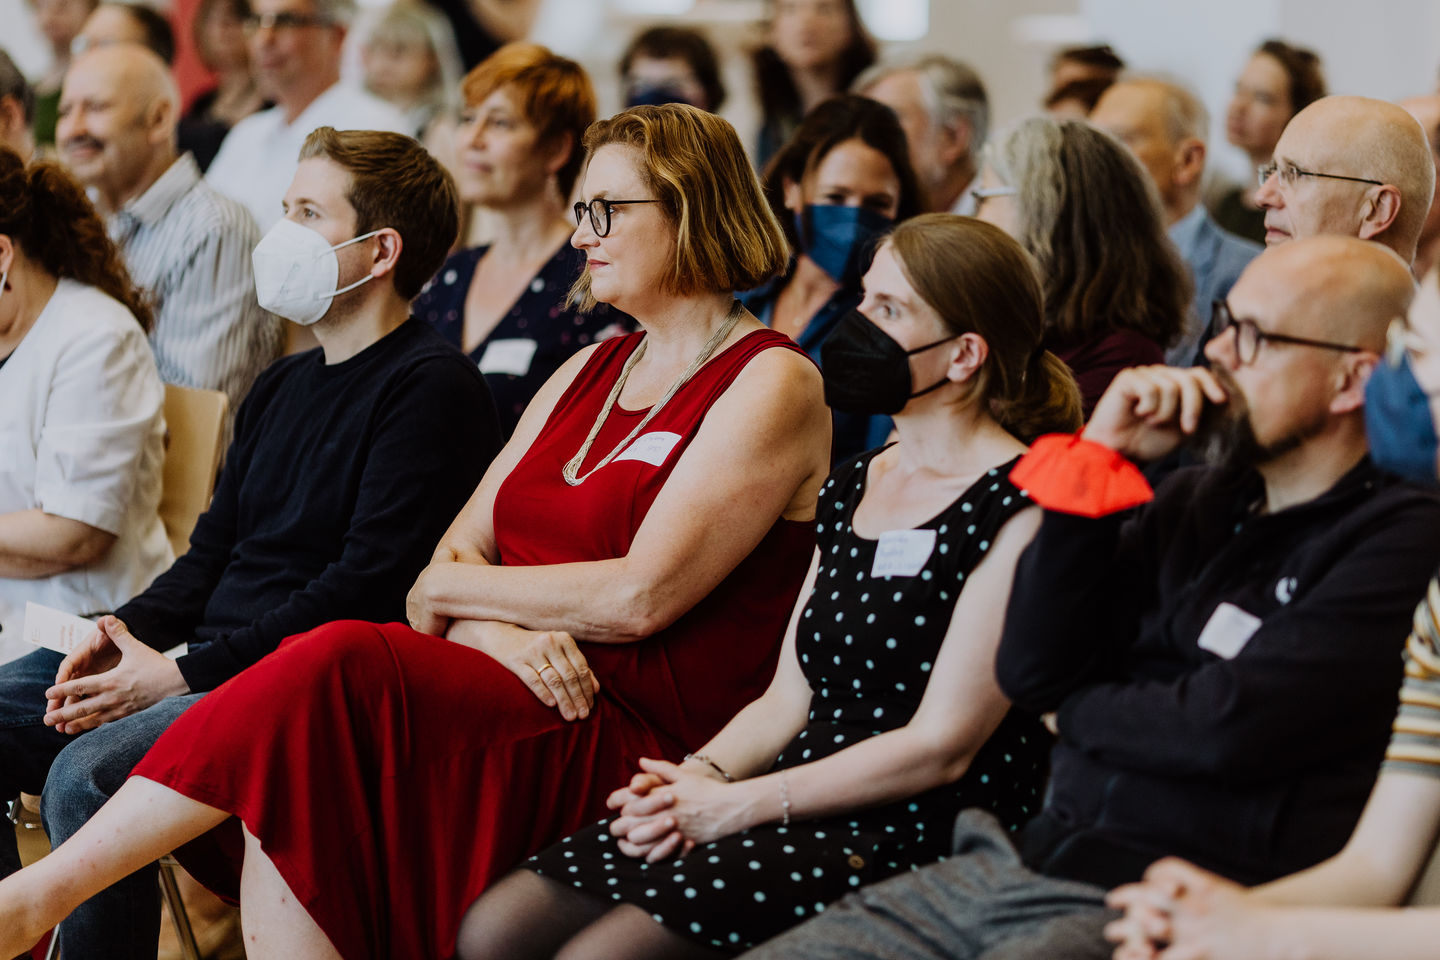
[(391, 776)]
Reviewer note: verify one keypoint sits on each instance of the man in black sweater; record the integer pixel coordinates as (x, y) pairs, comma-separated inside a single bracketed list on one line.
[(348, 464), (1221, 663)]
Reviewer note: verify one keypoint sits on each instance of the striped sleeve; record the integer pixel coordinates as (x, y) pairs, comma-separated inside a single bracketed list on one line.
[(1415, 742)]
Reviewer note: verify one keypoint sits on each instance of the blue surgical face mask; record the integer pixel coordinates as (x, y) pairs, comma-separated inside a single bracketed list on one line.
[(841, 240), (656, 95), (1399, 423)]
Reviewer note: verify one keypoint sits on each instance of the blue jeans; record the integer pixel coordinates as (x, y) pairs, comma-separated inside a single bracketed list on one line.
[(78, 774)]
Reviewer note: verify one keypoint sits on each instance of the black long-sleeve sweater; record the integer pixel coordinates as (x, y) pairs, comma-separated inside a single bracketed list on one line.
[(1254, 765), (339, 483)]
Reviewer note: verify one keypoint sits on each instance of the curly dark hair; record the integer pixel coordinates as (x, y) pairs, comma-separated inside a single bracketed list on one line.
[(47, 215)]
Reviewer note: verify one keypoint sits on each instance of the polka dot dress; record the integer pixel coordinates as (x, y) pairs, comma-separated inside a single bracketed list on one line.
[(867, 645), (539, 316)]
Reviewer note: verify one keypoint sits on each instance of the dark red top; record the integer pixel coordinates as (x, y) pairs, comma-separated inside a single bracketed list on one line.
[(1095, 362), (391, 776)]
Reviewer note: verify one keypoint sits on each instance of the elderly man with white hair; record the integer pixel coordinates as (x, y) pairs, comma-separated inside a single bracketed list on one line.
[(184, 243), (1164, 125), (945, 112)]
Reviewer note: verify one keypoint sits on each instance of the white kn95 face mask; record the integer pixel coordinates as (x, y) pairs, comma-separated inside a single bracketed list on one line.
[(296, 272)]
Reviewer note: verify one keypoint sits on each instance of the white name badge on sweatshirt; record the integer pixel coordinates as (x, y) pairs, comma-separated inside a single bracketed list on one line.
[(1228, 630), (54, 629), (902, 553), (508, 356), (651, 448)]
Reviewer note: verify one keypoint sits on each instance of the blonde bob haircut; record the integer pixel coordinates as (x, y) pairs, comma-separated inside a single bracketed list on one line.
[(726, 237)]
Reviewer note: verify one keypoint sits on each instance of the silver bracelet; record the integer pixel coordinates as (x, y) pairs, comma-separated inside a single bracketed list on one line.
[(784, 800), (706, 760)]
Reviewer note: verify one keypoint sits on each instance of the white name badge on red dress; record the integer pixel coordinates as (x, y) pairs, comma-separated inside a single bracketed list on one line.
[(902, 553), (508, 356), (651, 448)]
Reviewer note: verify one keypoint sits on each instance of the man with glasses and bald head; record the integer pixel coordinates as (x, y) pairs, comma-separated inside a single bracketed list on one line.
[(1351, 166), (295, 46), (1220, 655)]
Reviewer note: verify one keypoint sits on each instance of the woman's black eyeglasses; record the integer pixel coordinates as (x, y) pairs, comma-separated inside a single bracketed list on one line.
[(599, 210)]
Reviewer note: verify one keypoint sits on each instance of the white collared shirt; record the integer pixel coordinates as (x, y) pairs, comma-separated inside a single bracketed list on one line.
[(257, 161), (82, 430)]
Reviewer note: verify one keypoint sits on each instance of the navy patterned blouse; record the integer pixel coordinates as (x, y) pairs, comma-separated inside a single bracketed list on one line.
[(537, 334)]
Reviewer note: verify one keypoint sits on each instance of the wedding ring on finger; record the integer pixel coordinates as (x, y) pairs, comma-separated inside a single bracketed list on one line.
[(548, 666)]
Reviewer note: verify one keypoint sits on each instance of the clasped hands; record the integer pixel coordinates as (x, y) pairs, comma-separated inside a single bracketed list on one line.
[(1181, 912), (665, 811), (109, 676)]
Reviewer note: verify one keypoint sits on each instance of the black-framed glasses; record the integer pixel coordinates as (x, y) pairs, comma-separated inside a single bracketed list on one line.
[(1249, 336), (284, 20), (1289, 173), (600, 210)]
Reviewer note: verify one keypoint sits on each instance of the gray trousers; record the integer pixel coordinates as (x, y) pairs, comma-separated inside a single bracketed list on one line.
[(981, 903)]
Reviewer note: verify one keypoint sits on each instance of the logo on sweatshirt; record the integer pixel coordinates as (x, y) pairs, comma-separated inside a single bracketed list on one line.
[(1285, 589)]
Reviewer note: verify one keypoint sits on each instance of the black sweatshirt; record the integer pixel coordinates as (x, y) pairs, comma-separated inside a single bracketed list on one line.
[(1253, 766), (339, 483)]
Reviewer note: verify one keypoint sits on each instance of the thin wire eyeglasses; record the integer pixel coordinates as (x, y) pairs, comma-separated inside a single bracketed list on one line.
[(1289, 173), (598, 208)]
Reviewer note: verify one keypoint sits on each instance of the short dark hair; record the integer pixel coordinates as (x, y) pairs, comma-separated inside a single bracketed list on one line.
[(846, 117), (1302, 67), (159, 35), (395, 182), (682, 43), (14, 84), (1100, 56), (1086, 92)]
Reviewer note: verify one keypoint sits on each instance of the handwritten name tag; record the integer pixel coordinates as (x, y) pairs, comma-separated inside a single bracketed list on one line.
[(508, 356), (651, 448), (1228, 630), (902, 553), (54, 629)]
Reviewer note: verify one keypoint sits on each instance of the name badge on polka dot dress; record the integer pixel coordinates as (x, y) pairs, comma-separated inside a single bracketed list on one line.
[(902, 553)]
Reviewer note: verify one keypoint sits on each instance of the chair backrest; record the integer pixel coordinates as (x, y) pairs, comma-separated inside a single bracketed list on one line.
[(194, 424)]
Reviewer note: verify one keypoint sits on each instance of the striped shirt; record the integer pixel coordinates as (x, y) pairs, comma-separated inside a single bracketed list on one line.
[(1415, 743), (189, 248)]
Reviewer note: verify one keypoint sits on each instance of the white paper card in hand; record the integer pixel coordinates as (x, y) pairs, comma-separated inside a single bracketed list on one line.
[(54, 629), (508, 356), (651, 448), (1228, 630), (902, 553)]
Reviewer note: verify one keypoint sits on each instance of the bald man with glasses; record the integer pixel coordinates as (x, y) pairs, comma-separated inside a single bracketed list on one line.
[(1350, 166), (1221, 655)]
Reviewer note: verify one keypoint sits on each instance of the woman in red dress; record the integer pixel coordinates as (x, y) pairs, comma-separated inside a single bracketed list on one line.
[(630, 558)]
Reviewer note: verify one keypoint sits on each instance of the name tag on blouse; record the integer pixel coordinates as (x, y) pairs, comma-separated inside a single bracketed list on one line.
[(651, 448), (508, 356), (902, 553)]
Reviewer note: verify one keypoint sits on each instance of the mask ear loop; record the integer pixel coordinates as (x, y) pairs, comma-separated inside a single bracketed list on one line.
[(363, 280)]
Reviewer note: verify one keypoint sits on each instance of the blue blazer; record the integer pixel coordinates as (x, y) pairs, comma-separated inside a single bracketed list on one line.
[(1216, 260)]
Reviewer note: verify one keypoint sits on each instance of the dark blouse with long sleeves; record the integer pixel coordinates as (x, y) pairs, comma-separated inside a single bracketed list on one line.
[(535, 336)]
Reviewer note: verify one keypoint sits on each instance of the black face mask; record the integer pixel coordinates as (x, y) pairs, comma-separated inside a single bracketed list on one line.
[(866, 371)]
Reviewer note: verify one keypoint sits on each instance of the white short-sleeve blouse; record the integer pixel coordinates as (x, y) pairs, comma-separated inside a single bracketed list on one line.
[(82, 436)]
